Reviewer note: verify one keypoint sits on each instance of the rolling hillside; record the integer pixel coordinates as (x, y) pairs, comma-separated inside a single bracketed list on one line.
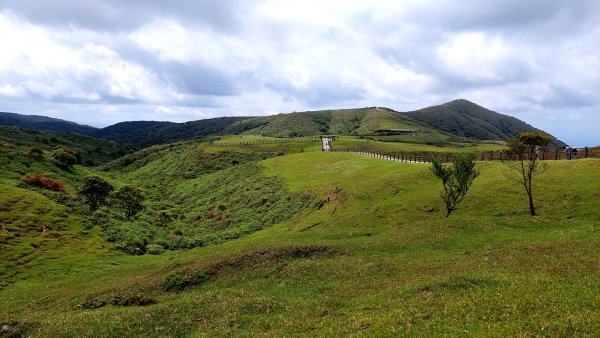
[(93, 151), (467, 119), (36, 122), (146, 133), (361, 121), (287, 240), (455, 121), (134, 132)]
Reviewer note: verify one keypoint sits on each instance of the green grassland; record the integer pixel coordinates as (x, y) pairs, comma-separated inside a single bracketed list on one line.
[(361, 121), (392, 144), (285, 240), (93, 151), (456, 121)]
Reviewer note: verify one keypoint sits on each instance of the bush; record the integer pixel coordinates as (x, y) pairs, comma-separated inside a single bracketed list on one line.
[(36, 152), (100, 217), (456, 178), (66, 157), (43, 181), (154, 249), (163, 218)]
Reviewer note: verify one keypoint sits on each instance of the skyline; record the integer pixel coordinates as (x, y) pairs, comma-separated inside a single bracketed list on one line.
[(99, 62)]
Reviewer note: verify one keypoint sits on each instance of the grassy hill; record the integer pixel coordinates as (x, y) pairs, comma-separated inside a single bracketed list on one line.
[(135, 132), (467, 119), (37, 122), (146, 133), (340, 122), (93, 151), (458, 121), (285, 240)]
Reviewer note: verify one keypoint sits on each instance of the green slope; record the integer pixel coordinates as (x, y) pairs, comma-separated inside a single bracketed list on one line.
[(455, 121), (467, 119), (37, 122), (340, 122), (146, 133), (93, 151), (370, 254)]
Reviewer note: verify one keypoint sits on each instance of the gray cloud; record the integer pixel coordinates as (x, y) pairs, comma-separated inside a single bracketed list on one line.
[(199, 79), (192, 78), (103, 61), (115, 15)]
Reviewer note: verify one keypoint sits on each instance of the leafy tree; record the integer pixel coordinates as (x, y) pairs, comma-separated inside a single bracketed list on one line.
[(129, 200), (36, 152), (524, 163), (95, 189), (456, 178), (65, 156)]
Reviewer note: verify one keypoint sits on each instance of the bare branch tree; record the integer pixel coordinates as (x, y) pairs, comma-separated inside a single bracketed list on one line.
[(524, 160)]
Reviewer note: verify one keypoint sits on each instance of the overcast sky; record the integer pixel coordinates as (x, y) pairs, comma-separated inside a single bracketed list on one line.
[(100, 62)]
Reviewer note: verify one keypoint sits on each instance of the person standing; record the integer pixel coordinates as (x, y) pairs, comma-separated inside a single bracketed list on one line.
[(567, 153), (573, 153)]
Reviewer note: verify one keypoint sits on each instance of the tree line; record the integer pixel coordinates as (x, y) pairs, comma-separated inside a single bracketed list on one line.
[(97, 191)]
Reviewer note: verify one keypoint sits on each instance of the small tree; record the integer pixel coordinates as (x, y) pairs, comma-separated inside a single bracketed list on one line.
[(524, 162), (456, 178), (65, 156), (95, 190), (36, 152), (129, 200)]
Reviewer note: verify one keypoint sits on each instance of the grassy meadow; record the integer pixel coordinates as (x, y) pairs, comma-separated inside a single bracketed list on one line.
[(306, 243), (401, 144)]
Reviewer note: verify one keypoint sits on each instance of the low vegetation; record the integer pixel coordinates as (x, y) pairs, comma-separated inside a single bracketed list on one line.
[(456, 178), (38, 144), (283, 239), (43, 181)]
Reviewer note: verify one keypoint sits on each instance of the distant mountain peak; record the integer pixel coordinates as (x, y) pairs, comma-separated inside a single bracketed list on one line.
[(37, 122), (459, 117), (464, 118)]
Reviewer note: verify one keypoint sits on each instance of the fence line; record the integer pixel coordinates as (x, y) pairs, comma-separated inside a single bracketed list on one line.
[(548, 154)]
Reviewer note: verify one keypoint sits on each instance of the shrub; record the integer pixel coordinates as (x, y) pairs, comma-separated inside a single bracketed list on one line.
[(456, 179), (100, 217), (36, 152), (163, 218), (154, 249), (66, 157), (43, 181)]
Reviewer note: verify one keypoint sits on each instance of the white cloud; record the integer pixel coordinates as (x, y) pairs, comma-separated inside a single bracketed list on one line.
[(101, 62), (10, 90), (474, 56)]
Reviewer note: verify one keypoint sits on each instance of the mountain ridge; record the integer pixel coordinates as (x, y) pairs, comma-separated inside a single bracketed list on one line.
[(39, 122), (458, 118)]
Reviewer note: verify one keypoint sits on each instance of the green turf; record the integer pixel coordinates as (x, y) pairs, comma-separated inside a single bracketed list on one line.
[(395, 144), (93, 151), (369, 253)]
